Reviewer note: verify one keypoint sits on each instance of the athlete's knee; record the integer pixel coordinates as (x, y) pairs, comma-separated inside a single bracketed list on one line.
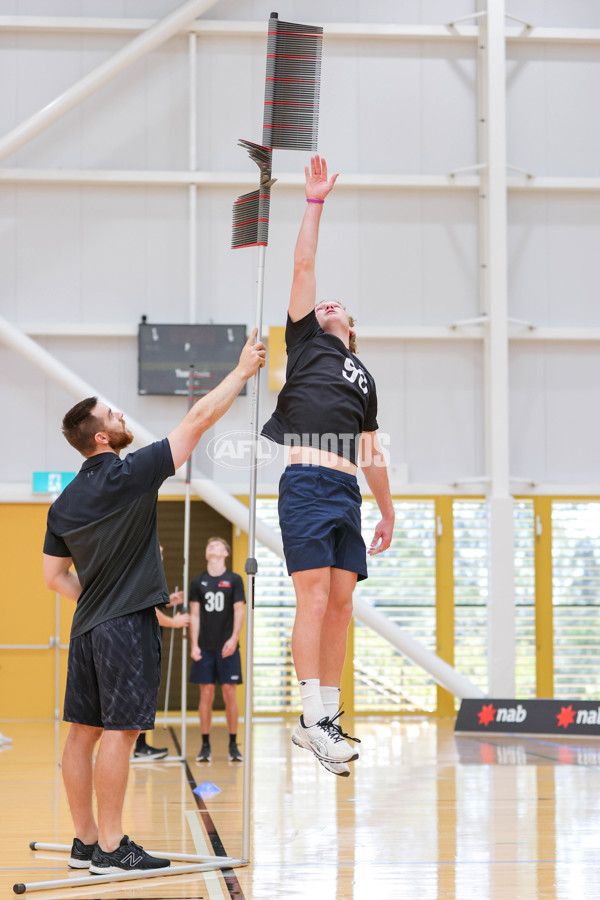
[(84, 734), (121, 735), (207, 693), (340, 608), (313, 605), (228, 692)]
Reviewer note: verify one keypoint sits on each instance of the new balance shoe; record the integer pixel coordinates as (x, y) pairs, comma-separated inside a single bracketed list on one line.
[(81, 855), (204, 753), (128, 857), (324, 740), (150, 753), (337, 768), (234, 753)]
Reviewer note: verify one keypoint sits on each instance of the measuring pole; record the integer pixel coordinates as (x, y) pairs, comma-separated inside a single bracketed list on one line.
[(251, 569), (186, 571)]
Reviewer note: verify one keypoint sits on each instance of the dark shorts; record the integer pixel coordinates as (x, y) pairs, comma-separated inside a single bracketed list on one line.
[(114, 673), (319, 514), (214, 668)]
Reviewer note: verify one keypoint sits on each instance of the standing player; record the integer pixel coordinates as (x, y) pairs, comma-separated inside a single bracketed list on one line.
[(104, 524), (217, 611), (327, 412)]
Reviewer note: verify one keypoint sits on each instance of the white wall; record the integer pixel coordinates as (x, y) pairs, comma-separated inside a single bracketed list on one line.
[(108, 254)]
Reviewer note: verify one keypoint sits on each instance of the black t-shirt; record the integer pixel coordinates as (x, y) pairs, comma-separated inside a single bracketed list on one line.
[(328, 398), (216, 595), (105, 519)]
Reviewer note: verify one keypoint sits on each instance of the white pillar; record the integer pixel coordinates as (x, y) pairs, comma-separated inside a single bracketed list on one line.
[(501, 599)]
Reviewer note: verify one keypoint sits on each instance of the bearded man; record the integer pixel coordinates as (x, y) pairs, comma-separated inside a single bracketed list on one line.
[(104, 524)]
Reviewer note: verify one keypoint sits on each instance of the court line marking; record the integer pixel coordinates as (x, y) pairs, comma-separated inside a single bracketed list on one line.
[(213, 884), (229, 876)]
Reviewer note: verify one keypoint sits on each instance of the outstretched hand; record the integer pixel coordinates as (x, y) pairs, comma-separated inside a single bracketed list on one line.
[(318, 185), (252, 357)]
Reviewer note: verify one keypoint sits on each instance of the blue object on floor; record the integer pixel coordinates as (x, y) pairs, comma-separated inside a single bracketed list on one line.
[(207, 789)]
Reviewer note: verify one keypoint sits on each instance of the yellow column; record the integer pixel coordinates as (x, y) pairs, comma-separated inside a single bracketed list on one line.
[(27, 677), (544, 626), (444, 579), (347, 685), (239, 555)]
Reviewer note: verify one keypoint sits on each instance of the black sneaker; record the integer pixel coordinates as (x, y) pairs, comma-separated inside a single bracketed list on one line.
[(81, 855), (234, 753), (148, 752), (128, 857), (204, 753)]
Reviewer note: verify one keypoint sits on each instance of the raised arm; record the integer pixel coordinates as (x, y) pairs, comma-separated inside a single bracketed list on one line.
[(318, 185), (212, 406)]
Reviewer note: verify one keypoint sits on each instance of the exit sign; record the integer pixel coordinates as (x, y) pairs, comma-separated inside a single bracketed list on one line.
[(51, 482)]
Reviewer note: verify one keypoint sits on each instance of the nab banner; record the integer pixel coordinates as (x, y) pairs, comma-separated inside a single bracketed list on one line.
[(550, 717)]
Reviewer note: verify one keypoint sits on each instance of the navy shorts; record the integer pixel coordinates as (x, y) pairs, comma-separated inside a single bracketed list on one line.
[(319, 514), (114, 673), (214, 668)]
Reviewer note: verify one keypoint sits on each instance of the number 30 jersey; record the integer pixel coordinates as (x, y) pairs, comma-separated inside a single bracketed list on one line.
[(216, 595)]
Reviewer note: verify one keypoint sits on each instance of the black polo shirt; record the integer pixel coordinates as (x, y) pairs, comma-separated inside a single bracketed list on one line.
[(328, 399), (105, 520)]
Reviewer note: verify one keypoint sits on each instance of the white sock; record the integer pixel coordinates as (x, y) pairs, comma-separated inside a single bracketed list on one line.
[(312, 705), (331, 700)]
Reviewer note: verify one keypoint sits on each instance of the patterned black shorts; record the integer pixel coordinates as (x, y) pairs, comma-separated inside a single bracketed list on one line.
[(114, 674)]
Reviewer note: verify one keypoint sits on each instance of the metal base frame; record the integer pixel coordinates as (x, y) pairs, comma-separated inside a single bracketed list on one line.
[(198, 864)]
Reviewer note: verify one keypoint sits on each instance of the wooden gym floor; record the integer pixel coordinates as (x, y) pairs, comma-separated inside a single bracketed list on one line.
[(425, 814)]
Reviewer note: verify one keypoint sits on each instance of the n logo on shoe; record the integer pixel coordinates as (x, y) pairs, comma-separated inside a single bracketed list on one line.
[(131, 859)]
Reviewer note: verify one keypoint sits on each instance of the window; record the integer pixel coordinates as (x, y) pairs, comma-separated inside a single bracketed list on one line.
[(401, 584), (275, 687), (471, 591), (576, 593)]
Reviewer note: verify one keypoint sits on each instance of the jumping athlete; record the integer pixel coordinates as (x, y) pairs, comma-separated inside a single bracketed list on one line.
[(217, 610), (327, 413), (104, 524)]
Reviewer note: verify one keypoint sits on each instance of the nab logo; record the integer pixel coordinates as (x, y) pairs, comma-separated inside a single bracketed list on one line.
[(566, 717), (488, 714)]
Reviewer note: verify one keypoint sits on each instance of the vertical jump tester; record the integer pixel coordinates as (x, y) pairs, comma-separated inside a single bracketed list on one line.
[(290, 122)]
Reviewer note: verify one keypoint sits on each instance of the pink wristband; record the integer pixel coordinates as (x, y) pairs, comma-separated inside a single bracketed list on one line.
[(313, 200)]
